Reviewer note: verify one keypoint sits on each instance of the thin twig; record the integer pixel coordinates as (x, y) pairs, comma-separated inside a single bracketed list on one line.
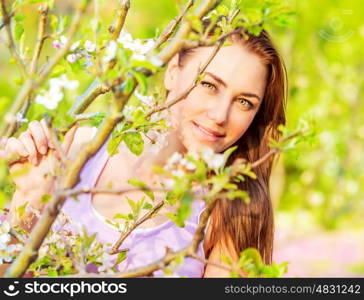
[(85, 189), (122, 13), (17, 236), (84, 101), (172, 25), (147, 216), (40, 38), (57, 146), (192, 86), (208, 262), (8, 127), (275, 150), (167, 53), (11, 45)]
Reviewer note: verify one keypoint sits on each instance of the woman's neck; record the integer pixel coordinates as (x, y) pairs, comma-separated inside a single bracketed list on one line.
[(150, 157)]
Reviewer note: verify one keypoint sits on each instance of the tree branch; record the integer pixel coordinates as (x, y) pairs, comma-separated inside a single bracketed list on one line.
[(9, 121), (122, 12), (177, 43), (172, 25), (84, 190), (40, 38), (11, 45), (84, 101), (275, 150), (147, 216), (193, 85), (74, 167), (95, 90)]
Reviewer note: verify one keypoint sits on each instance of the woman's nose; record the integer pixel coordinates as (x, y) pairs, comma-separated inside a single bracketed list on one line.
[(219, 112)]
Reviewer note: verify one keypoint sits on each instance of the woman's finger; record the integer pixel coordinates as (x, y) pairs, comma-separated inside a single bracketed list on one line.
[(14, 146), (45, 127), (28, 142), (68, 138), (39, 137)]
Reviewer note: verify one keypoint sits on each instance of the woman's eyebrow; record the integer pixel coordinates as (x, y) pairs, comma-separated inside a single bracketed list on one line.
[(250, 95), (217, 78), (222, 82)]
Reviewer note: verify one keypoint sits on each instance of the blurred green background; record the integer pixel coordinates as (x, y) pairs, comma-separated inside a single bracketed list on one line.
[(318, 188)]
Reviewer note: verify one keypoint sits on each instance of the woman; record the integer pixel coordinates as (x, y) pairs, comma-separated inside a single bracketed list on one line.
[(240, 101)]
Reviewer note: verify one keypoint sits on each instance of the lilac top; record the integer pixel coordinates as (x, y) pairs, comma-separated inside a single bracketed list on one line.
[(146, 244)]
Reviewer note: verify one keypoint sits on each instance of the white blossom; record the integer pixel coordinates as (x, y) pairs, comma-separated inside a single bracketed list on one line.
[(56, 44), (178, 173), (188, 164), (110, 51), (139, 47), (106, 261), (75, 45), (6, 251), (4, 239), (71, 58), (175, 158), (217, 161), (125, 38), (160, 143), (127, 111), (54, 95), (213, 160), (19, 118), (168, 183), (146, 100), (89, 46), (63, 40)]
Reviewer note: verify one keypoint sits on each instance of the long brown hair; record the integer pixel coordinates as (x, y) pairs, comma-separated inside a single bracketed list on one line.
[(234, 223)]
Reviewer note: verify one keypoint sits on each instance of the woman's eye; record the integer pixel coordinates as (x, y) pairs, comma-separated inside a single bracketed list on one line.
[(245, 102), (208, 85)]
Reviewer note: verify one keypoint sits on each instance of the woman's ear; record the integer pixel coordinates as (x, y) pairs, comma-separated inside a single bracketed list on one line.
[(171, 74)]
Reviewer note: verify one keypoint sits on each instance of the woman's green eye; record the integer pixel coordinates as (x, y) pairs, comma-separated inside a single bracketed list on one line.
[(245, 102), (208, 85)]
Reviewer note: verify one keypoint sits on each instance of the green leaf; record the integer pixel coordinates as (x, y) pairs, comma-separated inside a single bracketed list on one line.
[(147, 206), (120, 216), (58, 70), (134, 207), (52, 272), (45, 198), (142, 80), (128, 85), (134, 141), (222, 10), (19, 17), (97, 119), (196, 23), (143, 64), (36, 1), (140, 184), (54, 22), (63, 23), (121, 257), (183, 212), (88, 239), (113, 144), (227, 154), (226, 259), (21, 209), (18, 31)]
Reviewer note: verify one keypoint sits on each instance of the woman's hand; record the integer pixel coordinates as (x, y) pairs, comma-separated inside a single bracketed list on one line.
[(33, 172)]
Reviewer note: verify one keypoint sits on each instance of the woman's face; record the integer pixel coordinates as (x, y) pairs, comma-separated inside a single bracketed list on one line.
[(221, 107)]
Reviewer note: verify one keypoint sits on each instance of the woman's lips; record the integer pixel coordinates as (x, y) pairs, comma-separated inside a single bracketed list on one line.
[(205, 134)]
